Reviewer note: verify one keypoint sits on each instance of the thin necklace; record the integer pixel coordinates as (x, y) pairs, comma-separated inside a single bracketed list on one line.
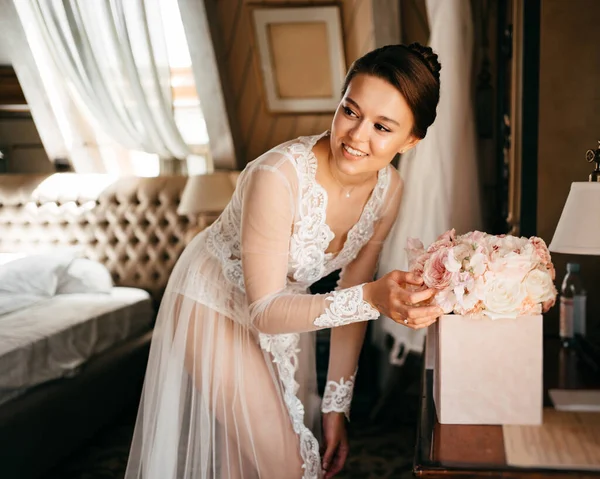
[(347, 194), (350, 188)]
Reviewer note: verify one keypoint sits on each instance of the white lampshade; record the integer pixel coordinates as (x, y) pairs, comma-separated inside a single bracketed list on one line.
[(578, 230), (207, 193)]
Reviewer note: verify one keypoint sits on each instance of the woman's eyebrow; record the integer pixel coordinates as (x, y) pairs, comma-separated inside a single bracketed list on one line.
[(381, 117)]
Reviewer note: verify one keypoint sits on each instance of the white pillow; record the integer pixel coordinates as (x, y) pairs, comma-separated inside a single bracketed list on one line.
[(85, 276), (37, 274), (27, 280), (8, 257)]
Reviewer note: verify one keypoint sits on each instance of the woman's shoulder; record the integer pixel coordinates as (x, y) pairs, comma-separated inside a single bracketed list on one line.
[(395, 180), (393, 186), (286, 155)]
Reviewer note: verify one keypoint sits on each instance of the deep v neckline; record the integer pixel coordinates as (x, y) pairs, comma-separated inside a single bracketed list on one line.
[(312, 158)]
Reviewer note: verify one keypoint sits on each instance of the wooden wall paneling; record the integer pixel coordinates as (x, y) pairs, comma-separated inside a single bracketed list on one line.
[(260, 129), (15, 42)]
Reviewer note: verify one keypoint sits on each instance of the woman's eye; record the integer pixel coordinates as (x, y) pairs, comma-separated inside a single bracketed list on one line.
[(381, 128), (348, 111)]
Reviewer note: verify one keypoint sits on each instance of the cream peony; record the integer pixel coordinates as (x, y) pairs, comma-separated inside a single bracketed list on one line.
[(539, 286), (502, 296)]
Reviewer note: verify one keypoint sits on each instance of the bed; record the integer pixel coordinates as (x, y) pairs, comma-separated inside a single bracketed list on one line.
[(71, 363)]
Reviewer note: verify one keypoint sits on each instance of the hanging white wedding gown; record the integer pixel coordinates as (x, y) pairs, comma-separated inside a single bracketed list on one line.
[(230, 390), (442, 188)]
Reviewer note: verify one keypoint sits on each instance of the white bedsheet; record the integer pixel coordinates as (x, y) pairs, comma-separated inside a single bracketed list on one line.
[(55, 336)]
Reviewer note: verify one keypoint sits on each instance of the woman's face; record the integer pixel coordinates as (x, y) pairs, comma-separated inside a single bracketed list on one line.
[(371, 124)]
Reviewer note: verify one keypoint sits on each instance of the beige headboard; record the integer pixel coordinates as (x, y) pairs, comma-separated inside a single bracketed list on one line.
[(129, 224)]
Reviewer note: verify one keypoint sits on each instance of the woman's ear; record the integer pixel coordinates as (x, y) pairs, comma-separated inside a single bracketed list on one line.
[(410, 144)]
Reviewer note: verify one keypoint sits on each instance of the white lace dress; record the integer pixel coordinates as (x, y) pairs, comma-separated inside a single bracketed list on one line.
[(230, 390)]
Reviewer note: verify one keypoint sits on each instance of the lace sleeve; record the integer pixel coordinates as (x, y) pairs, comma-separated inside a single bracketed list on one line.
[(338, 396), (347, 306)]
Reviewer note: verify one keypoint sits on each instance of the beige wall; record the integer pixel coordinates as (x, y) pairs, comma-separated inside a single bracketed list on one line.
[(569, 122), (260, 129)]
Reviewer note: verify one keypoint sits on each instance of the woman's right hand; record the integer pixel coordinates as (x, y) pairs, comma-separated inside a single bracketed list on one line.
[(392, 298)]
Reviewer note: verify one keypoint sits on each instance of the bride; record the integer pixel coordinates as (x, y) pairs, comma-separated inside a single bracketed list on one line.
[(230, 389)]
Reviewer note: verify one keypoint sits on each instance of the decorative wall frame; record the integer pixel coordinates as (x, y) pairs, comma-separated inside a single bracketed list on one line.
[(301, 56)]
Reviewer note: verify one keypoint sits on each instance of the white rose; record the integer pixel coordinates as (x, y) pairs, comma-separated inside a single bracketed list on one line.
[(503, 296), (512, 265), (539, 286)]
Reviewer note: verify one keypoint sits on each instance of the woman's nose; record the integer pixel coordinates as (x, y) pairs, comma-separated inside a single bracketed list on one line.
[(359, 132)]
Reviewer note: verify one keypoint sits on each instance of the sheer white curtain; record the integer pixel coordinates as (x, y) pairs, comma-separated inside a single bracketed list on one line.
[(441, 185), (113, 59)]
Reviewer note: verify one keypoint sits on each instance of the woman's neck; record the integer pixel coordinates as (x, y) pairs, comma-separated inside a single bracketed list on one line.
[(342, 179)]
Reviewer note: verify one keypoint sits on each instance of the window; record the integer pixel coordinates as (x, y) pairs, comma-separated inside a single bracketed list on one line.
[(186, 104), (187, 110)]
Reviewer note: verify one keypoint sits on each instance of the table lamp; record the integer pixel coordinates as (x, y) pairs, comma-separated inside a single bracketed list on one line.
[(208, 193), (578, 229)]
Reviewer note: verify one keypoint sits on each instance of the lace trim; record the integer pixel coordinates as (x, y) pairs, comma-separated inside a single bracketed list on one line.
[(338, 396), (347, 306), (284, 349), (312, 235), (363, 230)]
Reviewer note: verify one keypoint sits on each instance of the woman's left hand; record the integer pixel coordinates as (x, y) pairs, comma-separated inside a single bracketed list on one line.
[(335, 442)]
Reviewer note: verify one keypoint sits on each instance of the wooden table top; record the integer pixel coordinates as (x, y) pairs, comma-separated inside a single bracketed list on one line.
[(463, 451)]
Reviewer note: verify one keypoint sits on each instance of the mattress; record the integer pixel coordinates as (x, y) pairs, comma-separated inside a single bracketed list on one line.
[(53, 338)]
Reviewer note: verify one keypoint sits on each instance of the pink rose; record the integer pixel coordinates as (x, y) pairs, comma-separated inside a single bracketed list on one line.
[(418, 265), (445, 240), (435, 274), (449, 236), (541, 250), (474, 238)]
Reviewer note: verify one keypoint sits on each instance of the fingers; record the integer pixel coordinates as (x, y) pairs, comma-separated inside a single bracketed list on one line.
[(416, 317), (419, 324), (328, 456), (405, 277), (339, 459), (423, 325), (415, 297)]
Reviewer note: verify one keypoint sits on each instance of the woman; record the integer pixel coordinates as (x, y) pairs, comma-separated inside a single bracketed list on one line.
[(230, 390)]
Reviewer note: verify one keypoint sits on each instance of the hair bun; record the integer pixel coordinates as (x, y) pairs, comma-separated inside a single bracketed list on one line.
[(429, 58)]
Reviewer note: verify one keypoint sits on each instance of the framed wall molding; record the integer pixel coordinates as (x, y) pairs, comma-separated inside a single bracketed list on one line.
[(301, 56)]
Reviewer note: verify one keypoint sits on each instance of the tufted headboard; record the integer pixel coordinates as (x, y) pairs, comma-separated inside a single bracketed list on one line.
[(129, 224)]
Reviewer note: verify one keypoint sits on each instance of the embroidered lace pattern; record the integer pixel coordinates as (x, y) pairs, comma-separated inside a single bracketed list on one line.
[(284, 349), (312, 235), (223, 242), (347, 306), (338, 396)]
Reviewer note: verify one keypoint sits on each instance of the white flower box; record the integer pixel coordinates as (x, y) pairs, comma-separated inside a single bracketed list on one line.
[(487, 371)]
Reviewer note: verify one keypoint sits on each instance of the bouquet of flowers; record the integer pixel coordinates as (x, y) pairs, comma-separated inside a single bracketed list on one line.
[(501, 276)]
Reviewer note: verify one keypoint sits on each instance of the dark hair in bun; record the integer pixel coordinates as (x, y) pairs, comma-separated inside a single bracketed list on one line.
[(415, 72)]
